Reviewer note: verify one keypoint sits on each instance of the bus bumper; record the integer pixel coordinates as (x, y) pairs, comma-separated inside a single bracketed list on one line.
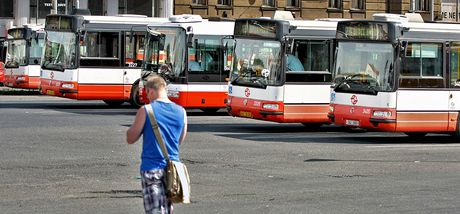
[(277, 111), (22, 81), (383, 119)]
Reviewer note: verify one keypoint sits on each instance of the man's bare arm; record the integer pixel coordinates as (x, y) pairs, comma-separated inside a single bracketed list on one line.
[(134, 132), (184, 131)]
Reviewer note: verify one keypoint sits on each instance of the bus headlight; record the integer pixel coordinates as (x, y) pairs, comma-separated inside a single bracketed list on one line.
[(381, 114), (67, 85), (270, 106), (173, 94)]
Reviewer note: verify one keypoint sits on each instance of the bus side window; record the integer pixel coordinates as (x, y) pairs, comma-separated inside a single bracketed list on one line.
[(454, 65), (101, 49), (422, 66)]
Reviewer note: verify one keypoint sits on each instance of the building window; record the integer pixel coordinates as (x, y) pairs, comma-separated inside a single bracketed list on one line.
[(41, 8), (422, 5), (358, 4), (292, 3), (268, 3), (200, 2), (335, 4), (6, 9), (135, 7), (224, 2)]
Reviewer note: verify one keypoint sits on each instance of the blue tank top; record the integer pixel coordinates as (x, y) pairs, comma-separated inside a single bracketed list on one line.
[(170, 119)]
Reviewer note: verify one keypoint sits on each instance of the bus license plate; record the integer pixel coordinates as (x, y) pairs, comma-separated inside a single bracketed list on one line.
[(352, 122), (246, 114), (50, 92)]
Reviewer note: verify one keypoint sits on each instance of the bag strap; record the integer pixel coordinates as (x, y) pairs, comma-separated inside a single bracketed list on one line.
[(156, 130)]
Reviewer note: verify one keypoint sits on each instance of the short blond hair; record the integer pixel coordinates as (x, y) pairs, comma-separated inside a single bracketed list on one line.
[(155, 82)]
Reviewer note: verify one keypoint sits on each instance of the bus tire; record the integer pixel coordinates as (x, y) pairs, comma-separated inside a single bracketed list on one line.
[(456, 133), (210, 110), (134, 99), (415, 134), (114, 102)]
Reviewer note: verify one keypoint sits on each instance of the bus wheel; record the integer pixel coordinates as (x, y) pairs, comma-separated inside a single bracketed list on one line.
[(135, 100), (415, 134), (210, 110), (114, 102)]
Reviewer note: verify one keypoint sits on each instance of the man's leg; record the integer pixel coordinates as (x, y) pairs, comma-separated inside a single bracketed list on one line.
[(153, 191)]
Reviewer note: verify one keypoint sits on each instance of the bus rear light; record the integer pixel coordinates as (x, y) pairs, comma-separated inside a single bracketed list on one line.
[(173, 94), (270, 106), (67, 85), (381, 114)]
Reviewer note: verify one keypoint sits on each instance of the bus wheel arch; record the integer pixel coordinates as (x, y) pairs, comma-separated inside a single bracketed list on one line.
[(134, 98)]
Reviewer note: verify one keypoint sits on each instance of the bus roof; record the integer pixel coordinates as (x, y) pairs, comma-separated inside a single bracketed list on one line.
[(78, 22), (204, 27), (431, 31), (122, 19)]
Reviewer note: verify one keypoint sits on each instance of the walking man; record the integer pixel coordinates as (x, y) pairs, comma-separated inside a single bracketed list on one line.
[(172, 120)]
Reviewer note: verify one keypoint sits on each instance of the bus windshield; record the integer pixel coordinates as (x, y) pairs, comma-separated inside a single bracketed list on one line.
[(364, 67), (16, 53), (165, 52), (60, 51), (256, 63)]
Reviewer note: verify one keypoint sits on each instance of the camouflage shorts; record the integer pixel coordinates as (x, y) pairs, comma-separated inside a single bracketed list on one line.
[(153, 191)]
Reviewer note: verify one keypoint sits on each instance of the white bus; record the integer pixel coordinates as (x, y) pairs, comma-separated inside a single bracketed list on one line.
[(24, 50), (94, 57), (397, 76), (281, 70), (190, 49)]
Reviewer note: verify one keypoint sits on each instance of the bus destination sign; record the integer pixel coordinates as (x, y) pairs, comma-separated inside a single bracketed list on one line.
[(361, 30), (58, 23), (256, 28)]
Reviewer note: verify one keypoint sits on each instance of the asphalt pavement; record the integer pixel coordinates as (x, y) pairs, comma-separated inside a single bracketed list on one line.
[(64, 156)]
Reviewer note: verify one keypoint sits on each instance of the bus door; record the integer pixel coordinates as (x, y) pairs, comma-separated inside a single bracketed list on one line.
[(454, 97), (134, 54), (100, 75), (205, 72), (422, 101), (308, 77)]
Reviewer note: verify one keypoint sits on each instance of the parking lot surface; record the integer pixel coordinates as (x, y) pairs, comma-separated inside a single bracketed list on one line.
[(64, 156)]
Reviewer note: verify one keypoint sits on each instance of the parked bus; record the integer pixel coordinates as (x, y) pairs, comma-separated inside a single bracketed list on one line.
[(281, 70), (2, 60), (93, 57), (188, 51), (24, 47), (397, 76)]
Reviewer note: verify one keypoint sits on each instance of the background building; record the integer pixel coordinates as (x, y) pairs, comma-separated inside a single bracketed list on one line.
[(19, 12), (308, 9)]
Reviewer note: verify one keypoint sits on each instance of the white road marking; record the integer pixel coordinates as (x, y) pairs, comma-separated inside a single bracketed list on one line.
[(415, 146)]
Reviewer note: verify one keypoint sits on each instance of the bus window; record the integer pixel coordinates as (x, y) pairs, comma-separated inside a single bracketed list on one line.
[(308, 61), (205, 60), (454, 65), (100, 49), (134, 49), (36, 49), (422, 66)]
